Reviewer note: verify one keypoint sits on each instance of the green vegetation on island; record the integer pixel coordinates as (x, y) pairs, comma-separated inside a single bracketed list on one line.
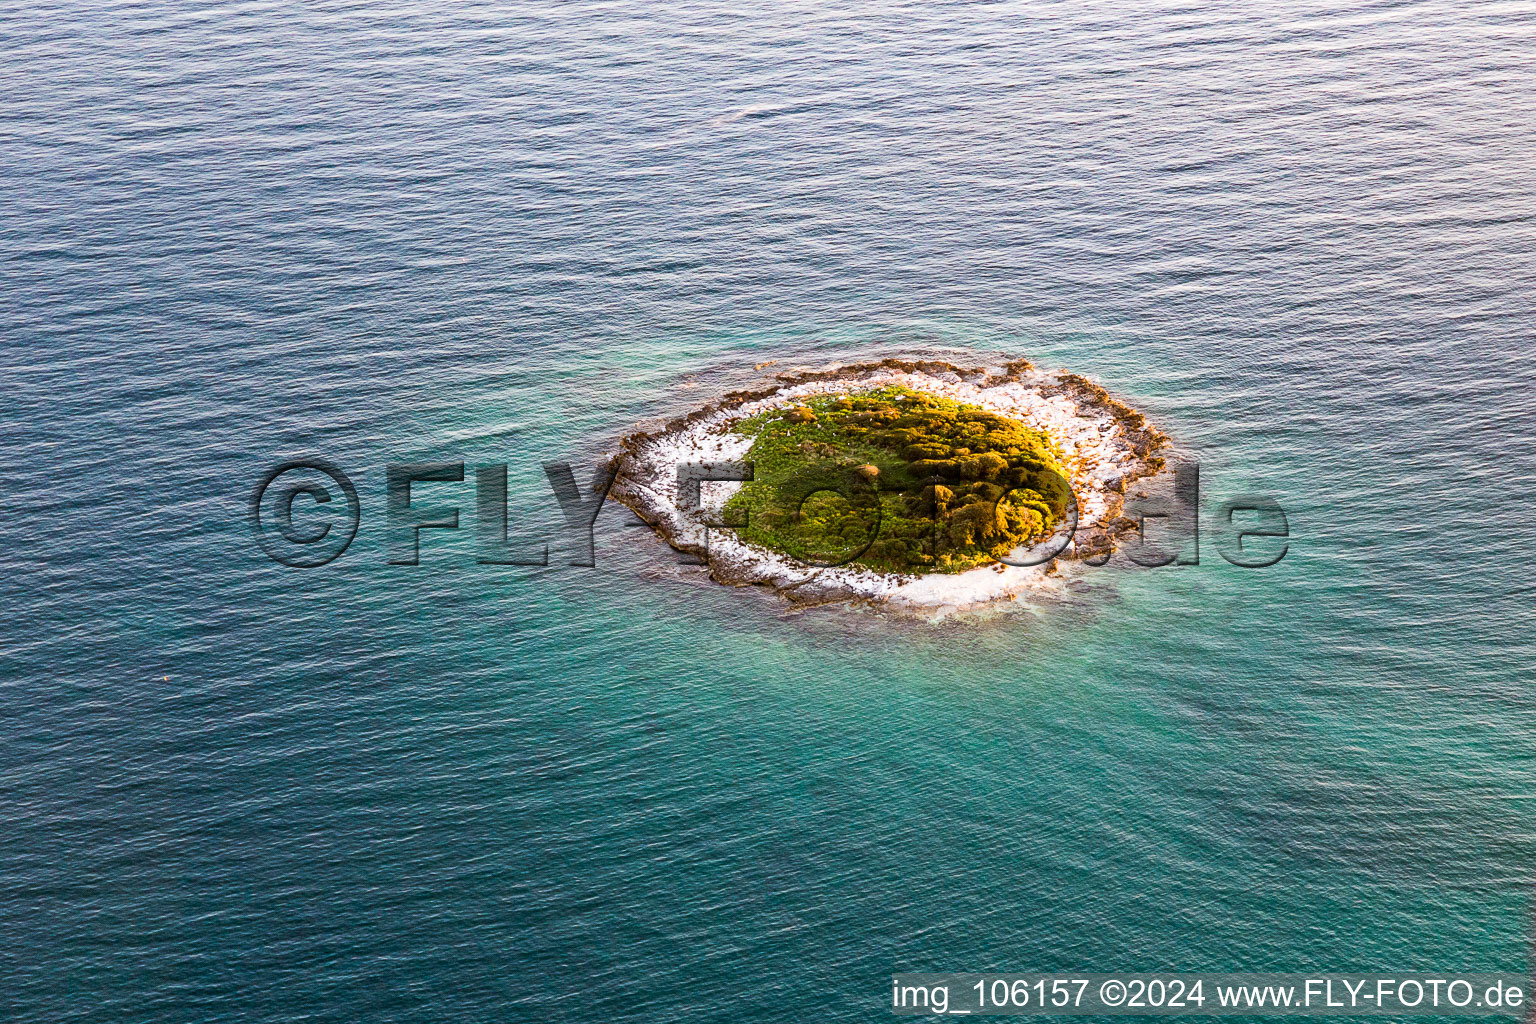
[(897, 480)]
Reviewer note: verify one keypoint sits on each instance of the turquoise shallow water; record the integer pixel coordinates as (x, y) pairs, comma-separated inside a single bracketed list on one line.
[(237, 233)]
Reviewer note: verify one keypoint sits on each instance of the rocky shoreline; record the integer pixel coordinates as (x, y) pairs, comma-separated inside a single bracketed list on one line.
[(1107, 446)]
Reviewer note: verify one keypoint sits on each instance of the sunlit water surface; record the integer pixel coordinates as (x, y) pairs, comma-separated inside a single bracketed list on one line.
[(1302, 242)]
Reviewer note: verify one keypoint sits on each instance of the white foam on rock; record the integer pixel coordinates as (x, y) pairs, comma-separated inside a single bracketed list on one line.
[(1096, 448)]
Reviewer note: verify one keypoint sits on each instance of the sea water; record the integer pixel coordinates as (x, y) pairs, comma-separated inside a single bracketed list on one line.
[(1301, 241)]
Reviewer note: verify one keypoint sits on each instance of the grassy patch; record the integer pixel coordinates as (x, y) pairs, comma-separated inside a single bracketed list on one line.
[(897, 480)]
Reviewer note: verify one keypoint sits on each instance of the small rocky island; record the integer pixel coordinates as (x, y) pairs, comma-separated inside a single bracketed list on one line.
[(914, 486)]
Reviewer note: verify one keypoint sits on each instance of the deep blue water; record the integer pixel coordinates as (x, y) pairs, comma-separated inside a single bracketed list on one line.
[(1303, 242)]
